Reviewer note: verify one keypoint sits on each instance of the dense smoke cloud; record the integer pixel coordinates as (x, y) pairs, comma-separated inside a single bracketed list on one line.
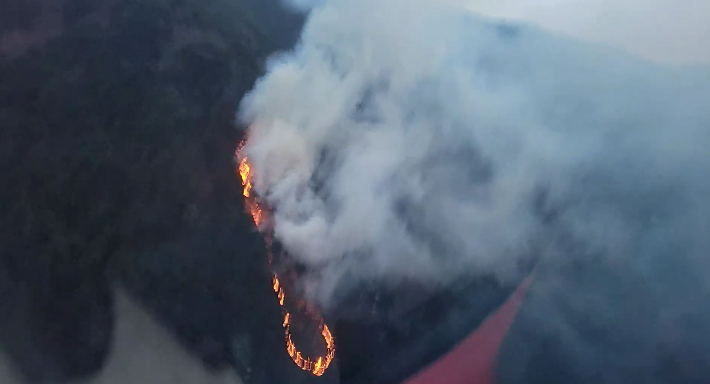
[(410, 140)]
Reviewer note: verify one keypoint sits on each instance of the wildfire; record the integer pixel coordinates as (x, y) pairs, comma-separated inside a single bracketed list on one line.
[(245, 173), (259, 215)]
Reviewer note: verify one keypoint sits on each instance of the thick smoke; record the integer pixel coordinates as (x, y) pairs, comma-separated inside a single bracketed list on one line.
[(407, 140)]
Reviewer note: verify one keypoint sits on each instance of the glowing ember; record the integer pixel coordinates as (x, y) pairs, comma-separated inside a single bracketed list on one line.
[(256, 212), (259, 213)]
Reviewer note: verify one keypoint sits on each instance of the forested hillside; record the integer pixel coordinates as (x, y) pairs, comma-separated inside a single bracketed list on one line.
[(116, 141)]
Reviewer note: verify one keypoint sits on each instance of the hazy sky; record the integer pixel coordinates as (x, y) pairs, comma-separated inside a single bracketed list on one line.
[(673, 31)]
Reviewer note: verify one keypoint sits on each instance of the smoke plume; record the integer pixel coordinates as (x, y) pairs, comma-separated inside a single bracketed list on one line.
[(408, 140)]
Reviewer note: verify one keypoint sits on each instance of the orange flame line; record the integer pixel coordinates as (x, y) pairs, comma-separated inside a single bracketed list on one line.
[(319, 366)]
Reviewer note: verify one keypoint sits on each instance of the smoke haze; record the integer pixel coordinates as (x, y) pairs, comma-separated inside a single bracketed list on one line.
[(662, 30), (407, 140), (142, 352)]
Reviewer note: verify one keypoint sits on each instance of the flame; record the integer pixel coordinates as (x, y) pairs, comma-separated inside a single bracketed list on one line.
[(281, 296), (276, 284), (318, 364), (245, 173), (259, 215)]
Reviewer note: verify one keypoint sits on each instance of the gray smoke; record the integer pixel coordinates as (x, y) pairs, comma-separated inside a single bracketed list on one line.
[(409, 140)]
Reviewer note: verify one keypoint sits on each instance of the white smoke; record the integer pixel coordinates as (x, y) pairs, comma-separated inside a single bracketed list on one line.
[(405, 139)]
